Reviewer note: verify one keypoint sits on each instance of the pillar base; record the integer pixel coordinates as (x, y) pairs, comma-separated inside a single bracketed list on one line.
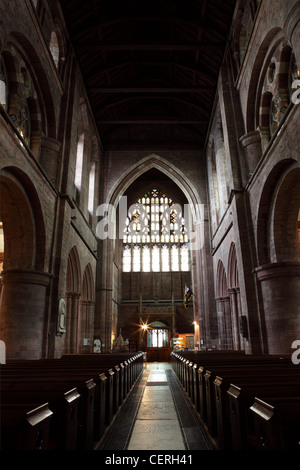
[(22, 319)]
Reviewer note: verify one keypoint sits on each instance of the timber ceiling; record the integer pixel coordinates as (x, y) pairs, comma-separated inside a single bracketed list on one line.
[(150, 68)]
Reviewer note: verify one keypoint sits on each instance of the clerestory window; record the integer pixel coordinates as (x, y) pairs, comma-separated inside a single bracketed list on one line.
[(155, 238)]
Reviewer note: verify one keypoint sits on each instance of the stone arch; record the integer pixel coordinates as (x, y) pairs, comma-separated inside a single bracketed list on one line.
[(24, 282), (279, 272), (265, 210), (110, 247), (23, 221), (283, 231), (284, 72), (259, 70), (88, 285), (221, 281), (38, 76), (223, 308), (235, 299), (155, 161), (73, 283), (233, 276), (274, 90)]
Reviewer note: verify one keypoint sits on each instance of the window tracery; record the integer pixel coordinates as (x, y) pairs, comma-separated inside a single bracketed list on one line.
[(155, 237)]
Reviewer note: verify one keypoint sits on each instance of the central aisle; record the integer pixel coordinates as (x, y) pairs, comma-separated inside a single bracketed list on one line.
[(157, 425), (156, 416)]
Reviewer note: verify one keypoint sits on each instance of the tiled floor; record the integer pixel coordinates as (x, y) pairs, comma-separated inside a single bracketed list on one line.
[(156, 416)]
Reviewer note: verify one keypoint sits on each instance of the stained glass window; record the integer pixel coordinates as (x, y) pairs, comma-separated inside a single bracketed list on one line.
[(155, 236)]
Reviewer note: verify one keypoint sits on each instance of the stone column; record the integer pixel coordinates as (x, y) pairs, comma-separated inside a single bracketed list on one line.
[(239, 314), (90, 323), (221, 322), (74, 314), (228, 325), (67, 336), (22, 318), (280, 292), (251, 144), (234, 318), (103, 313)]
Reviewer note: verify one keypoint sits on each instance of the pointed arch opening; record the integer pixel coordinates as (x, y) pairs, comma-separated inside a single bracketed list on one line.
[(239, 330), (86, 312), (72, 296), (223, 308), (143, 278)]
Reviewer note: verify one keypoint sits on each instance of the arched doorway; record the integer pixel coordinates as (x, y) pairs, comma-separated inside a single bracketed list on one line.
[(157, 341)]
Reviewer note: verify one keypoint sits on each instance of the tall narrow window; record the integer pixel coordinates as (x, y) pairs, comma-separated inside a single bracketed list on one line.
[(91, 188), (3, 90), (54, 48), (146, 261), (155, 258), (79, 162), (127, 259), (155, 235), (136, 261)]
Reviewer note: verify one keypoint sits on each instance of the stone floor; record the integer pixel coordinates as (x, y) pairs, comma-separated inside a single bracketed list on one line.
[(156, 416)]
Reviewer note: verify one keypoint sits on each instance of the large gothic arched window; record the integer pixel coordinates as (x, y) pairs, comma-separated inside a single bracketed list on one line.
[(155, 237)]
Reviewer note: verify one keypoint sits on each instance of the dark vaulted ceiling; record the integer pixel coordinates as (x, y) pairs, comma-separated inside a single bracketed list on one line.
[(150, 67)]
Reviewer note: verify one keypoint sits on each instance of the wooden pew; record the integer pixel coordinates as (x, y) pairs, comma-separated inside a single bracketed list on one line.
[(217, 384), (233, 427), (102, 401), (25, 426), (64, 407), (95, 405), (73, 408), (240, 398), (218, 372), (190, 368), (276, 423), (126, 371)]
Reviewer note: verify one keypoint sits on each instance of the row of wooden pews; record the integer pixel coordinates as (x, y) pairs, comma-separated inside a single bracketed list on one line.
[(245, 402), (64, 404)]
